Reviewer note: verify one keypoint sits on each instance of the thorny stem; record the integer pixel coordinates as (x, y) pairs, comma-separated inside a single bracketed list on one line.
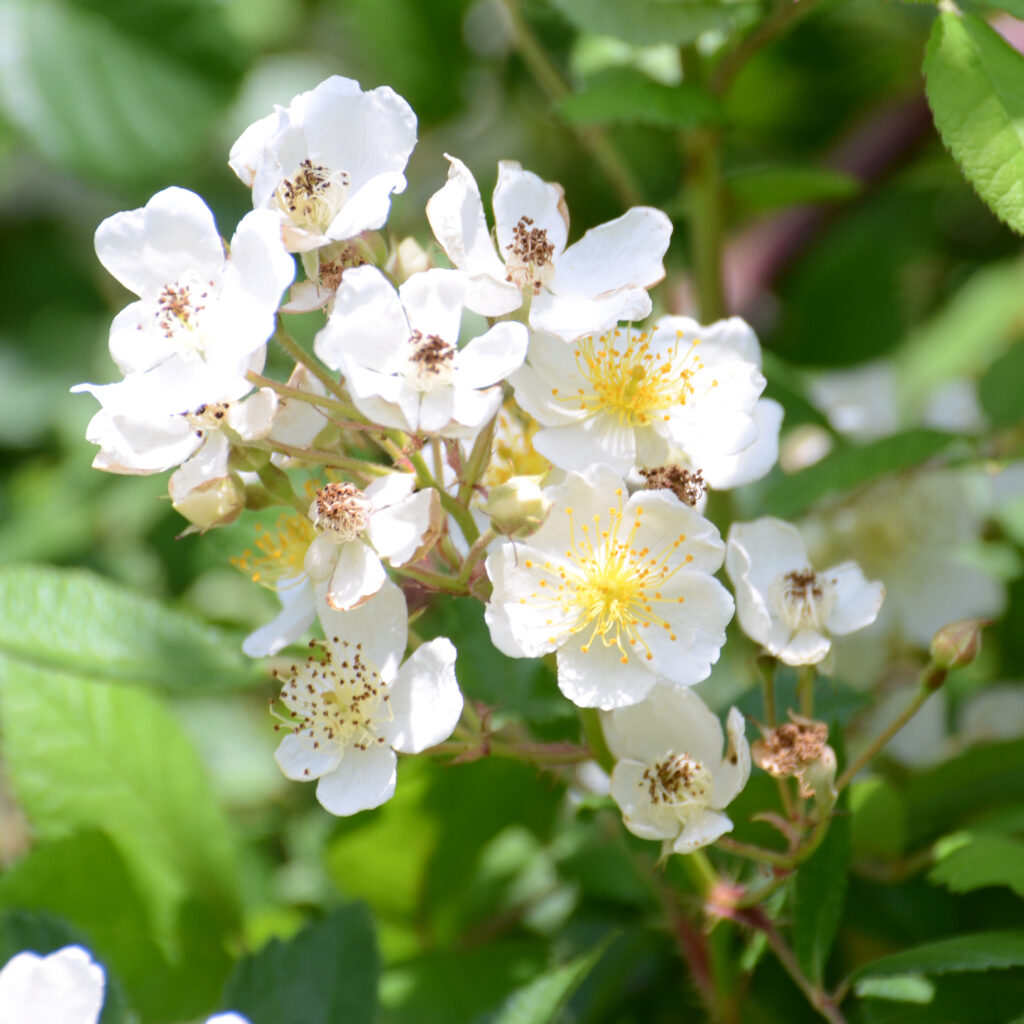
[(786, 861), (299, 354), (551, 83)]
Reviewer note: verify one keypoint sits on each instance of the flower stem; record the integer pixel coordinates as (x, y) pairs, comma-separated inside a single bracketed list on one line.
[(331, 460), (477, 461), (805, 688), (338, 408), (457, 511), (300, 355), (476, 552)]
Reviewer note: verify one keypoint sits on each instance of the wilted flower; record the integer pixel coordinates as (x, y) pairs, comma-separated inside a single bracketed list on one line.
[(799, 749)]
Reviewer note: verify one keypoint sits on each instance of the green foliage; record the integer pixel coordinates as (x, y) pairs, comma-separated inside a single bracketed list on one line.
[(89, 755), (967, 861), (850, 466), (999, 389), (326, 974), (628, 96), (77, 623), (652, 21), (879, 818), (765, 188), (984, 951), (975, 86)]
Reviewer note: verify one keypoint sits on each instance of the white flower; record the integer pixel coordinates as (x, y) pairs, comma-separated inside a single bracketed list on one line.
[(400, 356), (620, 587), (786, 606), (351, 711), (625, 398), (357, 528), (328, 163), (585, 288), (65, 987), (202, 321), (671, 779)]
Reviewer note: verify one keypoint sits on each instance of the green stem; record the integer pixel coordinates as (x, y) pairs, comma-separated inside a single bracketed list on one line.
[(458, 512), (339, 408), (767, 668), (805, 688), (331, 460), (434, 580), (590, 719), (476, 552), (551, 83), (300, 355), (700, 871), (278, 484), (477, 462)]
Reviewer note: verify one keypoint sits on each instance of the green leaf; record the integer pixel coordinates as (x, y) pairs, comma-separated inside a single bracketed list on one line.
[(975, 85), (84, 755), (543, 999), (983, 951), (966, 862), (101, 101), (627, 96), (647, 22), (77, 623), (999, 390), (851, 466), (768, 188), (115, 924), (1014, 7), (879, 818), (327, 974), (819, 894)]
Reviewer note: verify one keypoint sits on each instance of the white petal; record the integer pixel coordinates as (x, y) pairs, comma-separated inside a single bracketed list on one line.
[(734, 771), (65, 987), (857, 600), (728, 339), (598, 438), (519, 194), (433, 302), (702, 830), (629, 789), (425, 698), (300, 761), (491, 357), (253, 417), (806, 647), (437, 410), (380, 625), (367, 208), (752, 463), (598, 678), (357, 575), (298, 610), (625, 252), (390, 489), (771, 546), (247, 153), (571, 317), (398, 531), (364, 779)]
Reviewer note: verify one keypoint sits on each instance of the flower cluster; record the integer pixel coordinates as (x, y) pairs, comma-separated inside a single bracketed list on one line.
[(541, 454)]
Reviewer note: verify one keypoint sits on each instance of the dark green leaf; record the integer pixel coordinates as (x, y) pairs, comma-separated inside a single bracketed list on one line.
[(965, 862), (767, 188), (851, 466), (647, 22), (1000, 392), (327, 974), (983, 951), (879, 818), (975, 85), (74, 622), (628, 96)]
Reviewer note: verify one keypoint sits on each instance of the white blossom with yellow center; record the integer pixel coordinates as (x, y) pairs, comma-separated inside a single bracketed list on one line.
[(619, 586), (671, 778), (328, 163), (629, 397), (354, 704), (783, 604)]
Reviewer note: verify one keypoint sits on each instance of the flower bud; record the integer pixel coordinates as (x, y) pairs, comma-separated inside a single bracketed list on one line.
[(517, 507), (957, 644), (209, 503), (405, 259)]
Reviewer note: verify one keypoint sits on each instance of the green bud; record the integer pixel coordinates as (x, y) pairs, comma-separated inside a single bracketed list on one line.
[(213, 503), (517, 507), (957, 644)]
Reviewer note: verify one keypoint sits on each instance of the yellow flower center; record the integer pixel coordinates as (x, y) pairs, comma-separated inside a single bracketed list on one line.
[(613, 586), (629, 380), (279, 553), (312, 196)]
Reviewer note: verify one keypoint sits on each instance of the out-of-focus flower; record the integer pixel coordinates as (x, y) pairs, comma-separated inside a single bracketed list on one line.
[(783, 604), (620, 587), (400, 356), (624, 398), (327, 164), (65, 987), (585, 288), (671, 778), (354, 704)]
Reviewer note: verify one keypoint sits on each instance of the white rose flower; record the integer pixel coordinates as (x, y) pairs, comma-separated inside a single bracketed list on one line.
[(351, 711), (783, 604), (671, 779), (328, 163), (619, 586), (585, 288), (65, 987), (399, 353), (626, 398)]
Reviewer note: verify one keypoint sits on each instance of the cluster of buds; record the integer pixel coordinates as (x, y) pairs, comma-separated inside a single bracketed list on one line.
[(553, 464)]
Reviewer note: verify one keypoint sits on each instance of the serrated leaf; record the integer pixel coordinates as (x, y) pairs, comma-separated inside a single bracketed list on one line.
[(647, 22), (975, 85), (768, 188), (97, 100), (910, 988), (999, 390), (984, 951), (84, 755), (965, 862), (77, 623), (543, 999), (327, 974), (851, 466), (628, 96)]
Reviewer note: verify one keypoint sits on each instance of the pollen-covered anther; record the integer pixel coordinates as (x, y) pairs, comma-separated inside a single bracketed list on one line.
[(431, 361), (803, 599), (342, 509), (679, 781), (279, 553), (176, 308), (208, 416), (530, 253), (792, 747), (688, 487), (312, 195)]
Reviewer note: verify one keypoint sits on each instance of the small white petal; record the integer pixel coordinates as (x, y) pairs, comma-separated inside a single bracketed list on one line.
[(357, 575), (734, 772), (380, 625), (598, 678), (298, 610), (519, 194), (857, 600), (300, 761), (65, 987), (491, 357), (425, 698), (703, 830), (397, 532), (363, 780)]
